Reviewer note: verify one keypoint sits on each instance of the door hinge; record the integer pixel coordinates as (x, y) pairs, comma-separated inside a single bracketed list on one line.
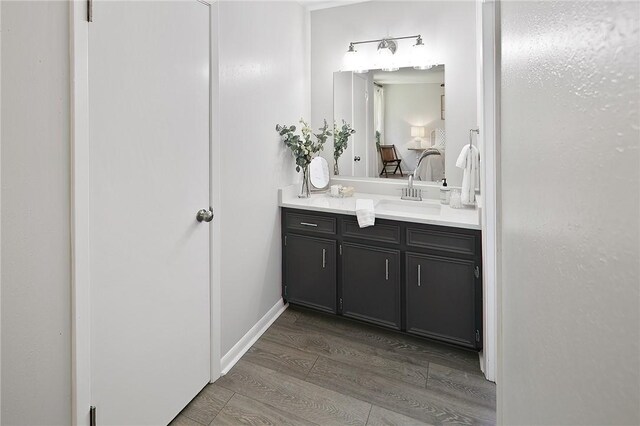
[(285, 240), (477, 335), (341, 303), (285, 291), (340, 249), (89, 10), (92, 416), (476, 272)]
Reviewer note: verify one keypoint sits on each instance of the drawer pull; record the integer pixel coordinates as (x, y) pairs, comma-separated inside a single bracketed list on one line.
[(419, 276), (387, 269), (324, 258), (315, 225)]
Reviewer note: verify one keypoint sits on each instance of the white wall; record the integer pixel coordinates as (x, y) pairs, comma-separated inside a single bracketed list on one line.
[(263, 82), (409, 105), (36, 360), (569, 352), (447, 27)]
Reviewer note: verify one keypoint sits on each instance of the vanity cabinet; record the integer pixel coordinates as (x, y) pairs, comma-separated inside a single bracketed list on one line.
[(418, 279)]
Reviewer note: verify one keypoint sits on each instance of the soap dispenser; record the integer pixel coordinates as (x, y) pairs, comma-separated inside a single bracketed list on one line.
[(445, 195)]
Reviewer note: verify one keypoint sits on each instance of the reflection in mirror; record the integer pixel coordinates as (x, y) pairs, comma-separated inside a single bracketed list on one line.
[(319, 173), (399, 122)]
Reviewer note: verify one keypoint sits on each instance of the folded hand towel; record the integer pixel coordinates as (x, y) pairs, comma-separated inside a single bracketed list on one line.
[(365, 213), (469, 160)]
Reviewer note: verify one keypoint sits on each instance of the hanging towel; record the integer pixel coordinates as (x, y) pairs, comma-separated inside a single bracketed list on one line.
[(365, 213), (469, 160)]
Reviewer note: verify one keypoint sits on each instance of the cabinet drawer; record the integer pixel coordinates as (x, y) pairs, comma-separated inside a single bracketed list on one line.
[(310, 223), (380, 232), (442, 241)]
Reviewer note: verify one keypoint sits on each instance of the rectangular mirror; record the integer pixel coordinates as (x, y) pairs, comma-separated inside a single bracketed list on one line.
[(399, 122)]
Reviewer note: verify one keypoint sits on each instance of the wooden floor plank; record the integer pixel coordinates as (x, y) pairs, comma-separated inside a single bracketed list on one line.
[(182, 420), (283, 358), (305, 400), (241, 410), (411, 348), (290, 316), (419, 403), (382, 417), (462, 385), (340, 349), (204, 407)]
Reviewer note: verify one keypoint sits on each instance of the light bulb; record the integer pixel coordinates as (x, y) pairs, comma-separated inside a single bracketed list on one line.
[(350, 59), (420, 56), (385, 56), (353, 61), (386, 60)]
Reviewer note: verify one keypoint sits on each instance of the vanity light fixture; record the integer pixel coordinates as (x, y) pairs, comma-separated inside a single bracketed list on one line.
[(387, 48)]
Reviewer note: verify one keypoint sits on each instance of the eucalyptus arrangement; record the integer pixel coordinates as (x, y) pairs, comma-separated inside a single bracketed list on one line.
[(303, 147), (340, 142)]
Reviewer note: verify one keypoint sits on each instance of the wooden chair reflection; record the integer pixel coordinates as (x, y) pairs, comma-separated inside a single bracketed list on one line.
[(389, 157)]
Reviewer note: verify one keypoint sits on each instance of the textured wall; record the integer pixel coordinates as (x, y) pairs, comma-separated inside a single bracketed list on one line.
[(570, 209), (36, 281)]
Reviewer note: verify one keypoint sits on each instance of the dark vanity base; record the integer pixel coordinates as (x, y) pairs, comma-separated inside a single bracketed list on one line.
[(422, 280)]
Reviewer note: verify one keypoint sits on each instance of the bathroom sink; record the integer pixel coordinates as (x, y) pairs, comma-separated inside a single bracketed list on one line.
[(409, 207)]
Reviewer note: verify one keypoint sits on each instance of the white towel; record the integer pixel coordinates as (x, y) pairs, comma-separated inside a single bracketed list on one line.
[(469, 160), (365, 213)]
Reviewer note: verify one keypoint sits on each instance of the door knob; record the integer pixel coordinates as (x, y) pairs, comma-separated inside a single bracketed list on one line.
[(356, 158), (204, 215)]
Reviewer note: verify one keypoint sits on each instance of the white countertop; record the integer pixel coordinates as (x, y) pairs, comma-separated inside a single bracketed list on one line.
[(446, 216)]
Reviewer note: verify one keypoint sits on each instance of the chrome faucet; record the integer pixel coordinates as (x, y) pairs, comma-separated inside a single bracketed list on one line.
[(411, 193)]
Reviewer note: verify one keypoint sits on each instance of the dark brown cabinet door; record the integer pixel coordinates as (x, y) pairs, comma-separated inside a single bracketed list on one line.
[(310, 272), (371, 284), (441, 298)]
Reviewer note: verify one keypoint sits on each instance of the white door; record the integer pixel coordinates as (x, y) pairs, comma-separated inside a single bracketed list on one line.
[(360, 109), (149, 175), (343, 110)]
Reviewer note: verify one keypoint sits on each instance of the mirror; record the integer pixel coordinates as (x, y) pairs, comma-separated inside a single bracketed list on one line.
[(399, 122), (319, 173)]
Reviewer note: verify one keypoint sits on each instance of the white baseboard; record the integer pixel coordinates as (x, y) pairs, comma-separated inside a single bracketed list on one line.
[(233, 356)]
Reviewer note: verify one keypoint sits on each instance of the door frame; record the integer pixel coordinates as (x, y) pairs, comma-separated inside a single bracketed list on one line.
[(81, 397), (488, 74)]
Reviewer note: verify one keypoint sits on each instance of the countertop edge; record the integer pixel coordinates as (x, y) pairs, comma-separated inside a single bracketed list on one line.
[(410, 219)]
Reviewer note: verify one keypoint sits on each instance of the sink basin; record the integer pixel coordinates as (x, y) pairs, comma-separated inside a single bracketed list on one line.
[(410, 207)]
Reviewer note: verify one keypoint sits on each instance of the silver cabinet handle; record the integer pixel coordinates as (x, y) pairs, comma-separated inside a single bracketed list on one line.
[(315, 225), (386, 273), (419, 276), (324, 258)]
